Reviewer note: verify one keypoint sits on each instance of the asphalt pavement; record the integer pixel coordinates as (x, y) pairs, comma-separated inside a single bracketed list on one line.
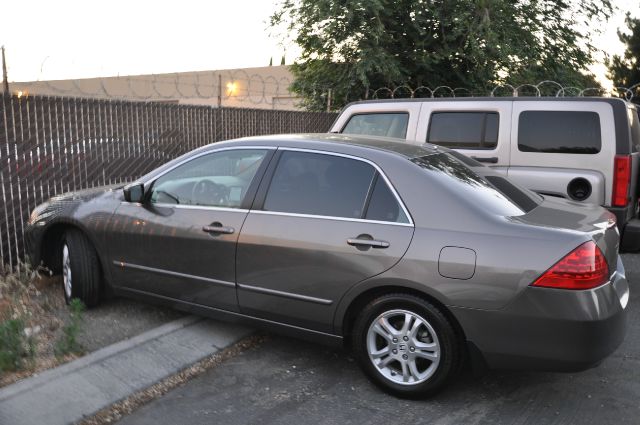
[(286, 381)]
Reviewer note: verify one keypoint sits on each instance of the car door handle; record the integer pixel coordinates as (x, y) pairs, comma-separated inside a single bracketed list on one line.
[(368, 242), (491, 159), (218, 228)]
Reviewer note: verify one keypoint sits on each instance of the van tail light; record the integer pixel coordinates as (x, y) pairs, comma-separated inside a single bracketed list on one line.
[(583, 268), (621, 180)]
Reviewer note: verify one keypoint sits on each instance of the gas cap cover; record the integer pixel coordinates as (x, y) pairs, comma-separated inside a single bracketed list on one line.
[(457, 263)]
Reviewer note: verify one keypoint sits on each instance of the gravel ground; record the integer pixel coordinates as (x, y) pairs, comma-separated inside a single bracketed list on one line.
[(120, 319)]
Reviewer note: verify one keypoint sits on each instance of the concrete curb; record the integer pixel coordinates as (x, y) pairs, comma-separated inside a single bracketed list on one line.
[(111, 350), (82, 387)]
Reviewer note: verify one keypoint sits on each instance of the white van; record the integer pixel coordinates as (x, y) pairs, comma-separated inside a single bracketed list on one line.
[(583, 148)]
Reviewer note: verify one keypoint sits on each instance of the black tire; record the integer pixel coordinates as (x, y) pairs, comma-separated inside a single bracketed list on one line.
[(84, 266), (449, 342)]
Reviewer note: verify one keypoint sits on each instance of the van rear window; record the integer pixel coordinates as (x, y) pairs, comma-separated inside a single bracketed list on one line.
[(574, 132), (378, 124)]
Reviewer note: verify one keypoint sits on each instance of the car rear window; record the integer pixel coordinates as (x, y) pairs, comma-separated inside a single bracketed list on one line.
[(573, 132), (498, 196), (464, 130), (378, 124)]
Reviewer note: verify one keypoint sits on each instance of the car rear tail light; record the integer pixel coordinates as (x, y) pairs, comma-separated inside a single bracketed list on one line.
[(583, 268), (621, 180)]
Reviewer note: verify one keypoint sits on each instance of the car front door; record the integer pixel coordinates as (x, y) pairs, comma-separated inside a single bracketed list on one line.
[(181, 242), (321, 223)]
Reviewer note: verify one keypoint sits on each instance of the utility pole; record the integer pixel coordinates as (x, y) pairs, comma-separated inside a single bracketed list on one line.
[(5, 78), (219, 90)]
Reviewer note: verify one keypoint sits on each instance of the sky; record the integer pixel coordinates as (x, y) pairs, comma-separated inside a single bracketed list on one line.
[(63, 39)]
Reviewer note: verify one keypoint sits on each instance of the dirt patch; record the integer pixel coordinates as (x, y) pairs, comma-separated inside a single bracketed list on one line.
[(39, 303), (42, 308)]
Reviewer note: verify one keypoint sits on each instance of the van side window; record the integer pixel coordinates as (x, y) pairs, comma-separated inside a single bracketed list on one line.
[(378, 124), (464, 130), (576, 132)]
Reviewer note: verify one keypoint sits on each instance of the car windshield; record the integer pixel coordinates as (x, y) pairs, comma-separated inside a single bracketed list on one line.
[(494, 194)]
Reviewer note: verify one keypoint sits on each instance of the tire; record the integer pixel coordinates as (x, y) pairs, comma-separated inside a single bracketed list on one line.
[(81, 274), (421, 360)]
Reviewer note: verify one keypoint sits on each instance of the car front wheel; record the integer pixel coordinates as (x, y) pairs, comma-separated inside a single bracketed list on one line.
[(406, 345), (81, 275)]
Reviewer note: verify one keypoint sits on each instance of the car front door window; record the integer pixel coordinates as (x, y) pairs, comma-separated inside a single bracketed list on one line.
[(219, 179)]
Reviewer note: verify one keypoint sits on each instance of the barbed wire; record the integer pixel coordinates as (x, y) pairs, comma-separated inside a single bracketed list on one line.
[(404, 91), (238, 85), (245, 88)]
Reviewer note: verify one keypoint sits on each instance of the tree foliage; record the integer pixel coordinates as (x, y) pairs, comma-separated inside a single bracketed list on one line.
[(352, 45), (624, 70)]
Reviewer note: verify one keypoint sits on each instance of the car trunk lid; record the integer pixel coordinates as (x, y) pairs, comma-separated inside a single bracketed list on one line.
[(591, 220)]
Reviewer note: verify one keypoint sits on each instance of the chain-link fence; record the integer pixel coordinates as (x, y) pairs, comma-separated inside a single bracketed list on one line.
[(51, 145)]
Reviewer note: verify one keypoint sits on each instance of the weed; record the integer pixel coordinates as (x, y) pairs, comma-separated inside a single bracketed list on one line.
[(15, 346), (68, 342)]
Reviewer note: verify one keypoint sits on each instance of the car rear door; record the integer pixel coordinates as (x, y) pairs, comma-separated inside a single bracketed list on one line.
[(181, 243), (479, 129), (322, 222)]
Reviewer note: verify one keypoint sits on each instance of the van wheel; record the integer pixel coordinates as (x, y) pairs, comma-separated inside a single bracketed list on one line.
[(80, 269), (406, 345)]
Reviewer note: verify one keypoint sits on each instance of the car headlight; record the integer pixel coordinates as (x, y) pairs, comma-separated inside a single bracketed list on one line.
[(37, 212)]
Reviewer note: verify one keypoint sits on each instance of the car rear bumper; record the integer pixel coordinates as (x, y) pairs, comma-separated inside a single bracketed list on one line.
[(551, 329)]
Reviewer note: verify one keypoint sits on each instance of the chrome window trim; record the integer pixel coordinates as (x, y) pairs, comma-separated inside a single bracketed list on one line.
[(200, 207), (362, 220), (328, 217)]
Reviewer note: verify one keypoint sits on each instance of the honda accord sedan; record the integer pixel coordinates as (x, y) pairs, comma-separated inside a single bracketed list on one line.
[(415, 257)]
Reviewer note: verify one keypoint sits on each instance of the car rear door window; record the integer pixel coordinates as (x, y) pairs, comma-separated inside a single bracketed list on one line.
[(464, 130), (319, 184), (573, 132), (378, 124)]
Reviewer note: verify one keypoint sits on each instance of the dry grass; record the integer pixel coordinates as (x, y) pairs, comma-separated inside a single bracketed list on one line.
[(39, 303)]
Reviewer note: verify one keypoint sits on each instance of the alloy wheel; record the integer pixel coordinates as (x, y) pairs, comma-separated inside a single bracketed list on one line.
[(66, 271), (403, 347)]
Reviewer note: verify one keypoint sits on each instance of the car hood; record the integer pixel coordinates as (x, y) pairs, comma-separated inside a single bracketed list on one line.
[(85, 194)]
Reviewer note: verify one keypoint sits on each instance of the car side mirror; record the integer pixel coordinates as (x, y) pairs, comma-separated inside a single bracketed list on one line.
[(134, 192)]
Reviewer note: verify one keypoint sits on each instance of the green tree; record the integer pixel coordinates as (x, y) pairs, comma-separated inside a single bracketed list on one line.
[(351, 46), (624, 70)]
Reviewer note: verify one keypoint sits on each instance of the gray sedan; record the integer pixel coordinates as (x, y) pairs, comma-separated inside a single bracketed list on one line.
[(415, 257)]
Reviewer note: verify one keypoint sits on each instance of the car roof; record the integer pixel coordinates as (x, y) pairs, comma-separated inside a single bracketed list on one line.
[(611, 100), (327, 141)]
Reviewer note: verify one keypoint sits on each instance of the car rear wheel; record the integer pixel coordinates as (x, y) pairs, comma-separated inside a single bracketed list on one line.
[(80, 269), (406, 345)]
